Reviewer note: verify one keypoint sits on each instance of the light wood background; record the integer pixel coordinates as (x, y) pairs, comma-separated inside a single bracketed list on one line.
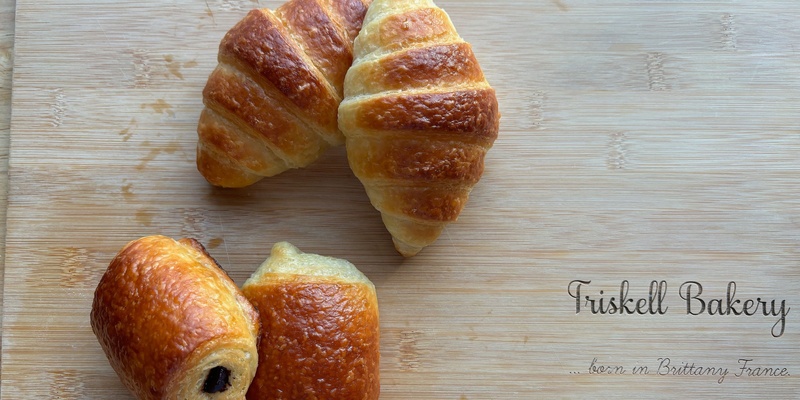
[(640, 141), (6, 62)]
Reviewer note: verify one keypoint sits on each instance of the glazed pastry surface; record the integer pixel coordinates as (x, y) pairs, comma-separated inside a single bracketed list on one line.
[(321, 336), (173, 324), (418, 117), (271, 102)]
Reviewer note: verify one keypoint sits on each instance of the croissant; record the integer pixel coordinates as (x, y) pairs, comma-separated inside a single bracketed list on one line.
[(418, 117), (321, 333), (173, 324), (271, 102)]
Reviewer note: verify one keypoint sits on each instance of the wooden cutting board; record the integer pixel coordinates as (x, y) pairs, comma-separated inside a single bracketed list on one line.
[(641, 142)]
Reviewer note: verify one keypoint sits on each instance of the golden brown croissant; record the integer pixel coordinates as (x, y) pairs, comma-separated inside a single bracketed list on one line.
[(419, 118), (320, 337), (173, 324), (271, 102)]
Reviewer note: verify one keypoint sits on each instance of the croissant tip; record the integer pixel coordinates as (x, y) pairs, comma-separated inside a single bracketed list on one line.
[(404, 249), (218, 170)]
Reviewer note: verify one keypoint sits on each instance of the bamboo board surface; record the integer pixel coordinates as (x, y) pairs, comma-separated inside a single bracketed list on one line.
[(6, 61), (640, 141)]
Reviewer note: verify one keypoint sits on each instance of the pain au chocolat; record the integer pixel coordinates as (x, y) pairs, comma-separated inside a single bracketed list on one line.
[(321, 334), (173, 324)]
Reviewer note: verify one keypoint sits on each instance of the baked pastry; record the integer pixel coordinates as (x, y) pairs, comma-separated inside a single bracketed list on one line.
[(173, 324), (320, 337), (271, 102), (419, 117)]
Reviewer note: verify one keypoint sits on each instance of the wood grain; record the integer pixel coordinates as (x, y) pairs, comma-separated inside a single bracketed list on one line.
[(6, 62), (639, 141)]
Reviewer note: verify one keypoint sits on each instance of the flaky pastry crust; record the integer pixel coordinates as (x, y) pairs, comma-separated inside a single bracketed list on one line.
[(418, 117), (321, 333), (271, 103), (173, 324)]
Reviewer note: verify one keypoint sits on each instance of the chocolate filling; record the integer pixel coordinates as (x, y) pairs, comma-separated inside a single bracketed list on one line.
[(217, 380)]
